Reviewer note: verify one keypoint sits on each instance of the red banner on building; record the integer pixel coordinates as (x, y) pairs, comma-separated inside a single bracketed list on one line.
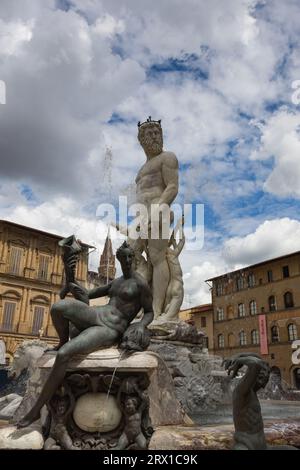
[(263, 334)]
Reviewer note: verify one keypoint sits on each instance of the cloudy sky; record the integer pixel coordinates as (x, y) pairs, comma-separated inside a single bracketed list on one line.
[(79, 75)]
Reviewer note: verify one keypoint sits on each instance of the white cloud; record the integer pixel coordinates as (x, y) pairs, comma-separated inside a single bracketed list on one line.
[(272, 238), (108, 26), (280, 139), (197, 122), (60, 88), (68, 72), (13, 35), (196, 290), (61, 216)]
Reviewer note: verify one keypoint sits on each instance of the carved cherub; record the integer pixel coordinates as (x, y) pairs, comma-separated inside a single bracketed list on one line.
[(61, 406), (134, 402), (132, 434)]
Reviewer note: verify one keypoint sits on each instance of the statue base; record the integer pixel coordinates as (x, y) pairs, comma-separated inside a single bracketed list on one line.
[(108, 400)]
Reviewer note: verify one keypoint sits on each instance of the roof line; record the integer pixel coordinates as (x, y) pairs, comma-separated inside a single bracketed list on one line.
[(197, 307), (261, 263), (39, 231)]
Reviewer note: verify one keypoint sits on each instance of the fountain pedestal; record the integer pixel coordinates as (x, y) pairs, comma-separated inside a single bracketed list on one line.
[(107, 401)]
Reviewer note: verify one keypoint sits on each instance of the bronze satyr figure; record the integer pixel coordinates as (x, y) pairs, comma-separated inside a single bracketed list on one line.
[(248, 423), (96, 327)]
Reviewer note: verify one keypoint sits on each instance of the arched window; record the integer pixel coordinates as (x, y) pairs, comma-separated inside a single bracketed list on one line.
[(243, 338), (254, 337), (221, 342), (252, 307), (288, 300), (275, 334), (241, 310), (272, 303), (292, 332)]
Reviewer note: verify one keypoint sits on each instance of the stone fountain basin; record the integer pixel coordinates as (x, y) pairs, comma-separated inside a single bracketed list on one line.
[(105, 359), (271, 410), (280, 419), (164, 406), (220, 437)]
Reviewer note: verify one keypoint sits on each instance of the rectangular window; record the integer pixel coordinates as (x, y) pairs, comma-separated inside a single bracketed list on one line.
[(38, 318), (270, 276), (272, 303), (274, 334), (43, 267), (8, 316), (252, 307), (221, 341), (240, 283), (219, 289), (241, 310), (203, 322), (285, 271), (243, 338), (15, 259), (220, 314), (251, 280)]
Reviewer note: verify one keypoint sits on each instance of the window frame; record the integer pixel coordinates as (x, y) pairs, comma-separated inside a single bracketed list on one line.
[(242, 338), (37, 319), (15, 260), (223, 341), (270, 304), (220, 314), (252, 302), (251, 280), (11, 306), (255, 333), (295, 337), (44, 262), (243, 310), (291, 304), (287, 274), (273, 336)]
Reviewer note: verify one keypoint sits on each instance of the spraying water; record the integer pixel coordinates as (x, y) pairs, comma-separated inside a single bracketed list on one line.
[(114, 373)]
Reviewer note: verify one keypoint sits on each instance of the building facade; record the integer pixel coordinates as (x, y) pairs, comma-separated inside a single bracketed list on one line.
[(31, 275), (202, 316), (258, 309)]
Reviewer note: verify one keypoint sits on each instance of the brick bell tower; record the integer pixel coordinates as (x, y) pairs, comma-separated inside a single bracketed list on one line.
[(107, 266)]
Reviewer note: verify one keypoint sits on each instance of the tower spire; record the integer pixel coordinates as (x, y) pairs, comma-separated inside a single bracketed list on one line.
[(107, 268)]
